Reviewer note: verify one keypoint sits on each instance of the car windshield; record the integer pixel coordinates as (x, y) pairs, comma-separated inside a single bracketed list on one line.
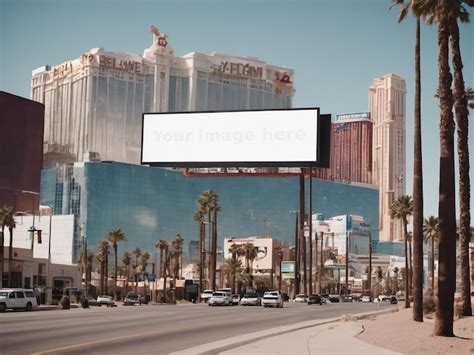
[(218, 294), (3, 294), (131, 296), (271, 294), (250, 295), (208, 291)]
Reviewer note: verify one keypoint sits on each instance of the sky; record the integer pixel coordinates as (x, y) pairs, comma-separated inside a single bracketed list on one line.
[(336, 48)]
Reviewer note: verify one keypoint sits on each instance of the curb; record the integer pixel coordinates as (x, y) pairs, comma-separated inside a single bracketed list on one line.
[(219, 346)]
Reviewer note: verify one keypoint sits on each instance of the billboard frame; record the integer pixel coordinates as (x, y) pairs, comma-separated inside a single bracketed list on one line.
[(322, 150)]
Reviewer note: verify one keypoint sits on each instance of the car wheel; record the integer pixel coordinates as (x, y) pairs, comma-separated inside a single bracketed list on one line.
[(29, 306), (3, 308)]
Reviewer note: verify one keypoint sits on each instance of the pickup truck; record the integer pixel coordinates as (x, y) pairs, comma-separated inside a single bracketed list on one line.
[(272, 299)]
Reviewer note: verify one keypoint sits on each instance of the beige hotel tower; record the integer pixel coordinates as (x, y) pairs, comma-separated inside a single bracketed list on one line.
[(387, 107)]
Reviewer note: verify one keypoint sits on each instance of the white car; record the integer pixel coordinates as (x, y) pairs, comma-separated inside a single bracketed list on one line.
[(250, 299), (272, 299), (105, 300), (300, 298), (365, 299), (220, 299), (17, 298), (206, 295)]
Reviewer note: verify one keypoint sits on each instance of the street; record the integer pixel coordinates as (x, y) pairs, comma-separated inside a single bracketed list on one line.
[(159, 329)]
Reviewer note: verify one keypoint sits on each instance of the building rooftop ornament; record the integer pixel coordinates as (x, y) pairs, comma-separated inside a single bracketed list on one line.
[(160, 45)]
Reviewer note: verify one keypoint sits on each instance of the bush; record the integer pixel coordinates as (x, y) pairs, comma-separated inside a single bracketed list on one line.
[(65, 302), (458, 305), (429, 304)]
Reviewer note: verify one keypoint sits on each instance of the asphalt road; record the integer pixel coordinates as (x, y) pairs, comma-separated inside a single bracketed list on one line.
[(149, 329)]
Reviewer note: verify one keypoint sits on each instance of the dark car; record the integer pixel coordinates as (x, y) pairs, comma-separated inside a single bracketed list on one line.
[(132, 299), (315, 299), (393, 300)]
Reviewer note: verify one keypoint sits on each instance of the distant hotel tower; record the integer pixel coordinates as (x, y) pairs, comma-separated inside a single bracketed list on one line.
[(95, 103), (351, 149), (387, 110)]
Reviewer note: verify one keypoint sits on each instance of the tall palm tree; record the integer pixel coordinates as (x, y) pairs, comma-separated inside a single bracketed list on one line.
[(235, 250), (127, 260), (177, 250), (250, 253), (9, 222), (401, 208), (115, 236), (441, 12), (4, 212), (459, 12), (85, 259), (137, 252), (164, 264), (417, 280), (143, 265), (208, 203), (199, 217), (162, 245), (430, 232), (102, 257), (279, 253)]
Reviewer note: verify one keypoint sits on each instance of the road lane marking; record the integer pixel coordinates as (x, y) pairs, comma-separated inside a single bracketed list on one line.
[(102, 341)]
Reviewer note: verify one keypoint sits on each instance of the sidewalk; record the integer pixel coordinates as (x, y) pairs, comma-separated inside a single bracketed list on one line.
[(336, 338)]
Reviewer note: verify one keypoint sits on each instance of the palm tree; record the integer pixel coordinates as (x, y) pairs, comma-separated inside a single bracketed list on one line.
[(250, 253), (395, 272), (417, 280), (127, 260), (177, 251), (115, 236), (199, 217), (462, 125), (102, 257), (4, 212), (85, 261), (442, 12), (143, 265), (279, 253), (235, 250), (430, 232), (137, 252), (9, 222), (401, 208), (162, 245), (208, 203), (164, 264)]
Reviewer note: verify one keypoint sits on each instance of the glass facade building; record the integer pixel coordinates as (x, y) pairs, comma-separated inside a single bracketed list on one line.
[(95, 102), (149, 204)]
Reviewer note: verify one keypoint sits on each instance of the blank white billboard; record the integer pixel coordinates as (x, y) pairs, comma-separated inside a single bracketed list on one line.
[(252, 137)]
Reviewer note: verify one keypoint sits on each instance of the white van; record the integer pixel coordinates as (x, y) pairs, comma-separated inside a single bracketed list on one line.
[(17, 298)]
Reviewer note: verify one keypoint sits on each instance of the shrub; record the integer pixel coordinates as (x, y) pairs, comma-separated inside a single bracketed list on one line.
[(65, 302), (458, 307), (429, 304)]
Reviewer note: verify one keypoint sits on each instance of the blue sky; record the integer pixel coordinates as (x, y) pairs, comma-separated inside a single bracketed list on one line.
[(336, 48)]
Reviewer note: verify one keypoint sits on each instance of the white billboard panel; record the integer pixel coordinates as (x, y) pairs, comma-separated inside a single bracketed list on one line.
[(252, 137)]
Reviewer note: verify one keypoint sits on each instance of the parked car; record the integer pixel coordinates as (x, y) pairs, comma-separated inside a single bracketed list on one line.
[(250, 299), (335, 298), (206, 295), (366, 299), (105, 300), (17, 298), (393, 300), (132, 299), (235, 299), (300, 298), (315, 299), (272, 299), (220, 299), (384, 298)]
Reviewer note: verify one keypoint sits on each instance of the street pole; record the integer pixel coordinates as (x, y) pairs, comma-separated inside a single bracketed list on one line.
[(49, 284), (303, 241), (369, 276), (297, 258), (320, 273), (347, 265), (310, 221)]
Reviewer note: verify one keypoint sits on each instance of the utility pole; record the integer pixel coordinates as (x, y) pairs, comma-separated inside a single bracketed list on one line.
[(310, 221), (202, 237), (347, 265), (301, 229), (297, 258), (320, 273), (369, 276)]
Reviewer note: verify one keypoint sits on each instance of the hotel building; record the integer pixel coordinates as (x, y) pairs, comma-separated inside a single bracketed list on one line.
[(95, 102), (387, 110)]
